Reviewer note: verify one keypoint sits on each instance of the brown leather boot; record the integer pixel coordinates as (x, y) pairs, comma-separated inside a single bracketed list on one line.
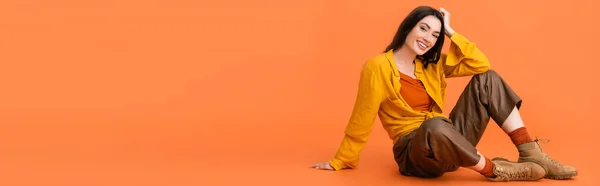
[(532, 152), (511, 171)]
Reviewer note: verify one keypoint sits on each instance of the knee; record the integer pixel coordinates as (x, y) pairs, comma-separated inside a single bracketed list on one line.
[(491, 71), (437, 127), (490, 74)]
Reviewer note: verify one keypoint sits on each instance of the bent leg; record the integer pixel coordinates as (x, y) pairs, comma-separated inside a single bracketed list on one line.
[(486, 96), (436, 148)]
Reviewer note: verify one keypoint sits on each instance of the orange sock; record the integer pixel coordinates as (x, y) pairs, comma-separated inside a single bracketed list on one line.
[(520, 136), (488, 169)]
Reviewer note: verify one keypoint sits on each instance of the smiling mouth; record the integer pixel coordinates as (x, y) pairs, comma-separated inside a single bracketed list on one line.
[(421, 45)]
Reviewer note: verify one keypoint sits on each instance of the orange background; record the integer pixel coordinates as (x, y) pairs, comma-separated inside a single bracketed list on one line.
[(236, 92)]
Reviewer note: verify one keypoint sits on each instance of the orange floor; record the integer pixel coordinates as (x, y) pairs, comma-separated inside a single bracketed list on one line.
[(159, 151), (175, 93)]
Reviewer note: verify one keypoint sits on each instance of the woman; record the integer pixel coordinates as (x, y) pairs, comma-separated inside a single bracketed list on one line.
[(405, 86)]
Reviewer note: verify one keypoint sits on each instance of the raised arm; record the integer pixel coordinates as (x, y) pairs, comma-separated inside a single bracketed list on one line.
[(464, 58)]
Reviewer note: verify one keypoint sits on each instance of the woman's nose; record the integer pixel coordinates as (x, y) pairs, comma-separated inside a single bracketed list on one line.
[(427, 40)]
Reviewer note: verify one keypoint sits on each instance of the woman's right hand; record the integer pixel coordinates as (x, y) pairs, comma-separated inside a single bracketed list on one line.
[(322, 166)]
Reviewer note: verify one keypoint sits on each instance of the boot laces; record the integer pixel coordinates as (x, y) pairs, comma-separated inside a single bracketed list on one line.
[(518, 174), (555, 162)]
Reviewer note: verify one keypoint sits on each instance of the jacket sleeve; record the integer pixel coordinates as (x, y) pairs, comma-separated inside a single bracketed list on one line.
[(369, 97), (464, 58)]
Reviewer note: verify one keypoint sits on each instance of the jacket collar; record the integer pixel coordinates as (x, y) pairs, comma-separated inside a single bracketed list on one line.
[(390, 57), (418, 65)]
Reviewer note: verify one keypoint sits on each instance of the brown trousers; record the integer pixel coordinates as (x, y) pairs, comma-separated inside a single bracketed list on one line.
[(441, 144)]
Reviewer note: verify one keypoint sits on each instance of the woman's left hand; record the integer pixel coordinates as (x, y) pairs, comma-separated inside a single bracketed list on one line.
[(446, 14)]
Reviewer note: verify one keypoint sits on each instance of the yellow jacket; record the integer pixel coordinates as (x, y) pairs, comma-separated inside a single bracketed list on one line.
[(379, 94)]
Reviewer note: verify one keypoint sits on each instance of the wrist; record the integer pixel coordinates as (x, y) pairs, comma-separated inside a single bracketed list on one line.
[(449, 31)]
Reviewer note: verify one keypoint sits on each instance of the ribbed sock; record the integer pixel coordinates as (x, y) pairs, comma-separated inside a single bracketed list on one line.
[(520, 136), (488, 169)]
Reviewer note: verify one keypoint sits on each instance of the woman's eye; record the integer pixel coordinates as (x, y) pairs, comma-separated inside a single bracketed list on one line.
[(423, 28)]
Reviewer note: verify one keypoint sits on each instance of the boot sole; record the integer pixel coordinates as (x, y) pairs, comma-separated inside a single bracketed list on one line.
[(553, 177)]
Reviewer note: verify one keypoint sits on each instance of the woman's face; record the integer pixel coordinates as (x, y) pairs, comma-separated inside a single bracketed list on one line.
[(424, 35)]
